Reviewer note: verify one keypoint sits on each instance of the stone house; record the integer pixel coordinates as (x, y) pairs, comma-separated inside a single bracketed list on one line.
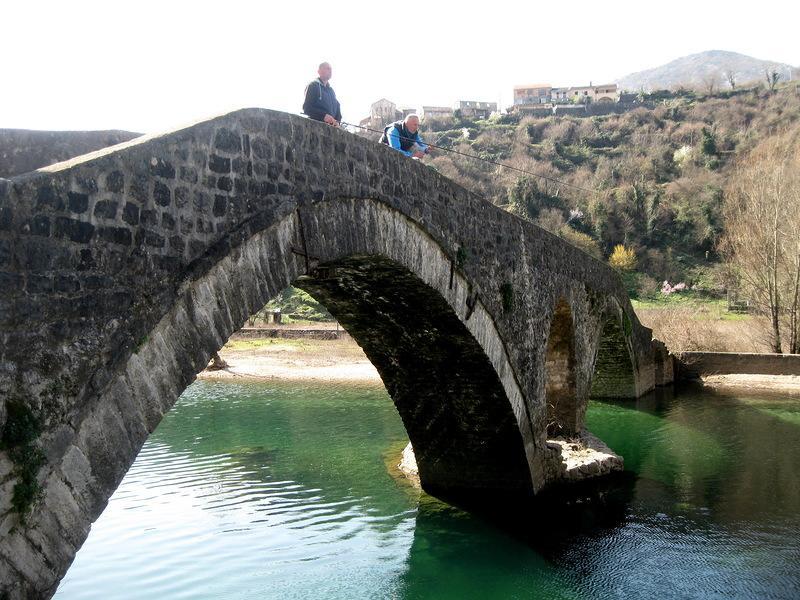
[(381, 113), (527, 95), (474, 109), (384, 111), (540, 93), (586, 94), (436, 112)]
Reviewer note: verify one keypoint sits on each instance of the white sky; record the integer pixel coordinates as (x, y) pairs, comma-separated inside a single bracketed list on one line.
[(152, 65)]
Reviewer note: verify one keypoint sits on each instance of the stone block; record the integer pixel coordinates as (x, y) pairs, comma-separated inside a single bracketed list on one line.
[(162, 168), (228, 141), (219, 164), (77, 231), (115, 182), (48, 197), (40, 225), (188, 174), (106, 209), (182, 196), (116, 235), (162, 195), (130, 213), (220, 206)]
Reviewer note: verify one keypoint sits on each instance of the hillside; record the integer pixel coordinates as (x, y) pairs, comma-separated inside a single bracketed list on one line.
[(651, 179), (697, 70)]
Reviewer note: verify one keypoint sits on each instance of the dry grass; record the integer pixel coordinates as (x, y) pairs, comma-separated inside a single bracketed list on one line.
[(698, 328)]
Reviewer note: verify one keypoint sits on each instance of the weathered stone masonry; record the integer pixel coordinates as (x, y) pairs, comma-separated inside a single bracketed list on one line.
[(123, 270)]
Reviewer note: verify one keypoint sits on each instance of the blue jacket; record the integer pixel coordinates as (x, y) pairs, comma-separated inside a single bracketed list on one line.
[(320, 101), (401, 139)]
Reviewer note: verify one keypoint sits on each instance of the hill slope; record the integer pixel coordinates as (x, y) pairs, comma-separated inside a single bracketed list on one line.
[(651, 178), (695, 70)]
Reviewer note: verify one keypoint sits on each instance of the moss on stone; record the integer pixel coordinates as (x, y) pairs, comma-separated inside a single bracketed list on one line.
[(507, 294), (627, 326), (142, 341), (20, 433), (28, 459), (461, 256), (21, 427)]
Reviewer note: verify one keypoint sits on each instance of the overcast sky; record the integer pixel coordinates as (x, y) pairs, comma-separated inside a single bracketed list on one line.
[(153, 65)]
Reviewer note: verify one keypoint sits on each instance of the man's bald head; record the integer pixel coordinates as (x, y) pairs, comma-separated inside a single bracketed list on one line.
[(325, 71)]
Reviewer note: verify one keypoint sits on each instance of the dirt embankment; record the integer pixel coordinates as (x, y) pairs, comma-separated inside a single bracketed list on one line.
[(299, 360)]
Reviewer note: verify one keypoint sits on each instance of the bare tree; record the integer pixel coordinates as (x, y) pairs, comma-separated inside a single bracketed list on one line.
[(730, 76), (773, 76), (711, 83), (793, 254), (762, 238)]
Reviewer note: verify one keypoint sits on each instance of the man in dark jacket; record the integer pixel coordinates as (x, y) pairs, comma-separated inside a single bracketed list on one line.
[(321, 103)]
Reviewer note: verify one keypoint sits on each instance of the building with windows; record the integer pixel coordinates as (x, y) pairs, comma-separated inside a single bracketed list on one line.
[(381, 113), (589, 94), (527, 95), (435, 112), (474, 109), (541, 94)]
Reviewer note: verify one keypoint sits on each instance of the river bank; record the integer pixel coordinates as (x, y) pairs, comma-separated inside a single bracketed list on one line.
[(342, 360), (294, 360)]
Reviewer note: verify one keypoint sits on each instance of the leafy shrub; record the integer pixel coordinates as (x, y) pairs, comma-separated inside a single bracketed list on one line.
[(622, 259)]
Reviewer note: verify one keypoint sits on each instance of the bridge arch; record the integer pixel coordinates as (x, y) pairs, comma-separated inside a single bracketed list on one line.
[(125, 269), (391, 288)]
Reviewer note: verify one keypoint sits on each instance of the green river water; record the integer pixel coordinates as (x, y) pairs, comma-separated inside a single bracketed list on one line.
[(252, 491)]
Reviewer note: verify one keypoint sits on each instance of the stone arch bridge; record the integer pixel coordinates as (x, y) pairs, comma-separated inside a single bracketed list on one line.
[(123, 270)]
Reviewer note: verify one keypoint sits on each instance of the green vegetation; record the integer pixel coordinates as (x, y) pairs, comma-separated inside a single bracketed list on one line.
[(19, 437), (650, 179), (507, 294), (296, 306), (462, 255)]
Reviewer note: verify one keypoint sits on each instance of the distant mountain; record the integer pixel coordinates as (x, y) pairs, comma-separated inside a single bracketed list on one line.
[(696, 70)]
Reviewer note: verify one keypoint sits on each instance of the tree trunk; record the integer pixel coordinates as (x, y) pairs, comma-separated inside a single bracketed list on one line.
[(774, 294), (794, 342)]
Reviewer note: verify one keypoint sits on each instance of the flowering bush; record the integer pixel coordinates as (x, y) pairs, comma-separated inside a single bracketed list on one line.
[(668, 289)]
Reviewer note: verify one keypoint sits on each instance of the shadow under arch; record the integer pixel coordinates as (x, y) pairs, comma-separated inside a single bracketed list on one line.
[(455, 411), (614, 366), (560, 386)]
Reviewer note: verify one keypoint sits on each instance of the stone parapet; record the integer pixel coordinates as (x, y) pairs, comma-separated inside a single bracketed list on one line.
[(691, 365)]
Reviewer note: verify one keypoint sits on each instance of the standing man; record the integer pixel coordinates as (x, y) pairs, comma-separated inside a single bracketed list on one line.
[(404, 136), (321, 103)]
